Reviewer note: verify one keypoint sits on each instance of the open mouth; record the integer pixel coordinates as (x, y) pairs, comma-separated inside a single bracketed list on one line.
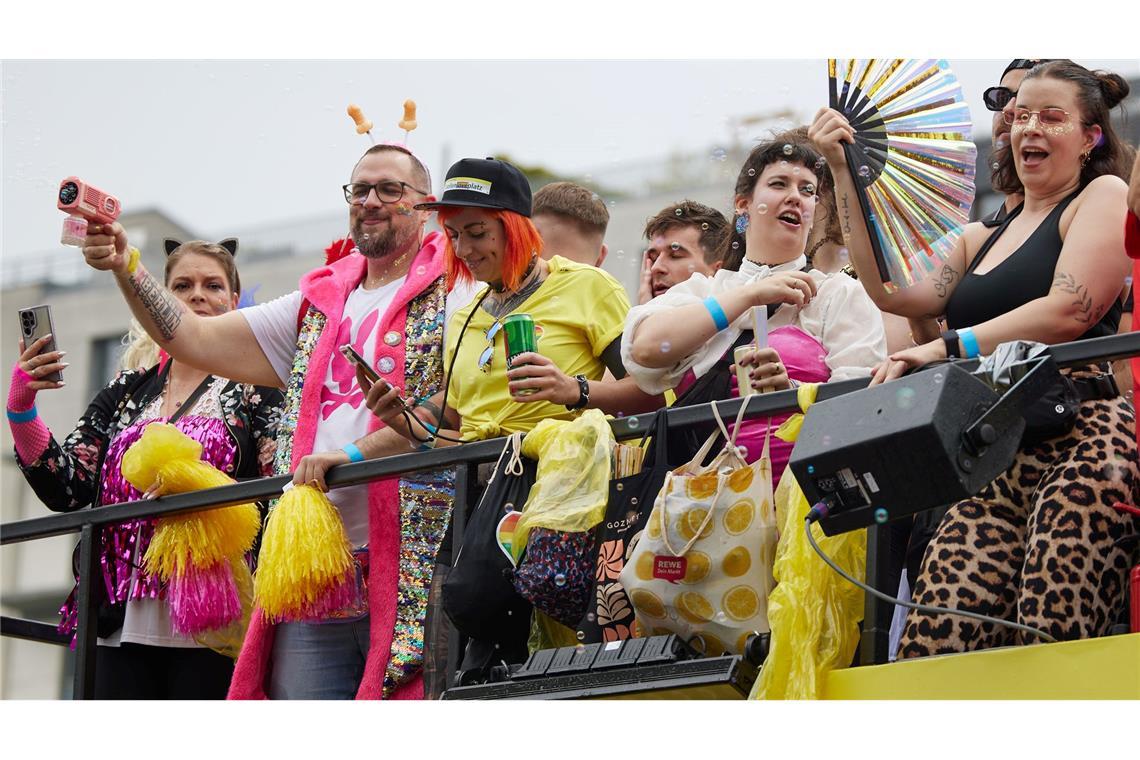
[(1033, 156), (659, 288), (790, 218)]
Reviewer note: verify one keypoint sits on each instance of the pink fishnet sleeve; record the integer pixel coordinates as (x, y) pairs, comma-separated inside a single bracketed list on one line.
[(32, 437)]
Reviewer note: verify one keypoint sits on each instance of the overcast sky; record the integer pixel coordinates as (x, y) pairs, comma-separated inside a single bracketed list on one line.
[(231, 144)]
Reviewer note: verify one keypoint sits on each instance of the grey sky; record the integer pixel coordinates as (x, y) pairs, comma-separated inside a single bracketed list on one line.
[(231, 144)]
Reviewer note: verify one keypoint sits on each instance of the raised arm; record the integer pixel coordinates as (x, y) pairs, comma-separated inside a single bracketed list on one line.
[(923, 300), (223, 345)]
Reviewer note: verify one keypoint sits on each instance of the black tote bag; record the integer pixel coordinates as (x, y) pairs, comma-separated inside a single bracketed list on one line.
[(609, 615), (478, 595)]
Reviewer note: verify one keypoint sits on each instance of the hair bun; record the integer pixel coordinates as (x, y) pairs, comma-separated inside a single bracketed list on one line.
[(1113, 87)]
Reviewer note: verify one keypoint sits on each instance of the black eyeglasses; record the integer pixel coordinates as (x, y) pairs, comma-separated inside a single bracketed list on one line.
[(388, 191), (997, 98)]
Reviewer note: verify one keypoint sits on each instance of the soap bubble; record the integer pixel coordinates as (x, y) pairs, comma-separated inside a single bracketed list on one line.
[(762, 208), (591, 617), (864, 171), (719, 154), (633, 423), (679, 212), (735, 245), (665, 346), (581, 636), (675, 245), (827, 440), (905, 398), (844, 254), (788, 149), (881, 515), (811, 469), (784, 165), (751, 172), (938, 377), (819, 163), (995, 166), (560, 580), (704, 225), (421, 270)]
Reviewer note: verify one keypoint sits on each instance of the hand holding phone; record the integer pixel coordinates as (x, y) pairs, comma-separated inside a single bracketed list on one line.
[(39, 356)]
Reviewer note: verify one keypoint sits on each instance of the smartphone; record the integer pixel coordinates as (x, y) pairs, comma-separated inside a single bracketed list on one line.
[(35, 323), (358, 360)]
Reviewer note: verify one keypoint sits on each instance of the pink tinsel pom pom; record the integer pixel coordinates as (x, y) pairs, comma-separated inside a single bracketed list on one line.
[(203, 599)]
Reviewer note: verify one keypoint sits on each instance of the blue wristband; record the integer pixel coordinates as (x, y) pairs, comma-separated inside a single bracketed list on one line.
[(353, 452), (26, 416), (969, 342), (429, 427), (720, 319)]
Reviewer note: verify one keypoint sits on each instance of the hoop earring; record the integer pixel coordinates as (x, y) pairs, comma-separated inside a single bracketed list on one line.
[(742, 222)]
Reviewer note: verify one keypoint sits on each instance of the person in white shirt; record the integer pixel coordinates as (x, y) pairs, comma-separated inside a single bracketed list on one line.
[(388, 299), (822, 326)]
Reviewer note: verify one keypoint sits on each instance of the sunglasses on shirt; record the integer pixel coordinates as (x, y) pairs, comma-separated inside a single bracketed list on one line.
[(489, 352)]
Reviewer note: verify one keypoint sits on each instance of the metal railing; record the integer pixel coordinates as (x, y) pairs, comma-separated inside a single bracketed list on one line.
[(87, 522)]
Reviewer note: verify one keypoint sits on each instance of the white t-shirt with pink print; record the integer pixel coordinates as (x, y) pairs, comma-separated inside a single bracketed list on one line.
[(343, 415)]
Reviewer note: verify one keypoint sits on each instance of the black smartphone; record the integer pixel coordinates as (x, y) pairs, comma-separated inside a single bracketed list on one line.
[(35, 323)]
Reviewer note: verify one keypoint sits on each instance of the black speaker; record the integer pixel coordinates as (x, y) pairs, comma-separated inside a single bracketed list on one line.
[(886, 452)]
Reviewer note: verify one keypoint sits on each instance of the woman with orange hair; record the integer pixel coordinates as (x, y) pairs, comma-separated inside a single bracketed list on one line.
[(578, 311)]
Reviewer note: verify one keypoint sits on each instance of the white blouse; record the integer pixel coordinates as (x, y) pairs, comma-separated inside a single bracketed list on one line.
[(841, 316)]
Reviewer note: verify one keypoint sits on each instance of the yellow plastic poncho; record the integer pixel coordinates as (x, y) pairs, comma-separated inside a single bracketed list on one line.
[(813, 612)]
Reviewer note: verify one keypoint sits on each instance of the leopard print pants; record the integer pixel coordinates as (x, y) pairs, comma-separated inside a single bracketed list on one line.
[(1036, 545)]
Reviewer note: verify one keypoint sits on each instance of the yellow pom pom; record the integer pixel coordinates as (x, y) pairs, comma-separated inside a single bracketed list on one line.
[(305, 556), (161, 444)]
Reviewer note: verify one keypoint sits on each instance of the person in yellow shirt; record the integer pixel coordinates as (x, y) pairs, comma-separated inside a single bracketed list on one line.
[(578, 311)]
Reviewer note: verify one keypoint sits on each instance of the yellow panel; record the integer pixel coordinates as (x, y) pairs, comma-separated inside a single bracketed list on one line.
[(1106, 668)]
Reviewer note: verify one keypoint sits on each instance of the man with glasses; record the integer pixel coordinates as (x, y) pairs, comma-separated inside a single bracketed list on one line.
[(998, 100), (388, 300)]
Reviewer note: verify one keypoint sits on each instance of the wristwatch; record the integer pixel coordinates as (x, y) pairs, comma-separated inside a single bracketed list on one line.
[(584, 394), (950, 338)]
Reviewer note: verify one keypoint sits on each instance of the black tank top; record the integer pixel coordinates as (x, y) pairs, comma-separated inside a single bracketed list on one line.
[(1026, 275)]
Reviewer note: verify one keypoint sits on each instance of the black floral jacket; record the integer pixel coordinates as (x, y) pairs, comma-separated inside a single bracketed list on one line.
[(67, 477)]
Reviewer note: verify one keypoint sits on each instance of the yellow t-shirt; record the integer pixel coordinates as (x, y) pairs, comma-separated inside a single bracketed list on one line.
[(578, 311)]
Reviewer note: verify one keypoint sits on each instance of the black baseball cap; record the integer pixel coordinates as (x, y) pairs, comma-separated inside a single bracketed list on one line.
[(1023, 63), (484, 183)]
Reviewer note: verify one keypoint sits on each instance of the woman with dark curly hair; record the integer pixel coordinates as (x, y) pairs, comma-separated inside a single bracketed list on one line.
[(1036, 546)]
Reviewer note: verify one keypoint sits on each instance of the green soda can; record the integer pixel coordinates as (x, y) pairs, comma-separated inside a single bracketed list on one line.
[(518, 338)]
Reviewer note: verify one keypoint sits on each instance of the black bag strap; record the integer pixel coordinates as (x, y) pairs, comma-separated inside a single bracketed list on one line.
[(189, 402)]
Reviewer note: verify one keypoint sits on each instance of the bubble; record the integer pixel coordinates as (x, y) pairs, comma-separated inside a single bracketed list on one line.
[(866, 150), (784, 165), (621, 254), (620, 487), (788, 149), (591, 617), (719, 154), (665, 346), (811, 469), (580, 648), (796, 170), (595, 197), (881, 515), (864, 171), (678, 212), (613, 204), (844, 254), (704, 225), (905, 398), (560, 580), (1128, 281), (735, 245), (633, 501), (751, 172), (421, 269), (938, 377), (633, 422), (508, 507), (762, 208), (820, 163), (827, 440), (581, 636), (675, 245), (995, 166)]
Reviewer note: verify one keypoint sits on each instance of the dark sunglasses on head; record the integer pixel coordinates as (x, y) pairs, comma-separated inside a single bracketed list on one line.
[(997, 98)]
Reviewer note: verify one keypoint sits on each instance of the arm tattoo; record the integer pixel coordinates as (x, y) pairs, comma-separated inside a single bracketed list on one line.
[(846, 217), (162, 307), (1086, 312), (946, 279)]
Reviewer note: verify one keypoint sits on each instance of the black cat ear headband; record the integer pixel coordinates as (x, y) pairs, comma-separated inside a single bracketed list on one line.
[(230, 244)]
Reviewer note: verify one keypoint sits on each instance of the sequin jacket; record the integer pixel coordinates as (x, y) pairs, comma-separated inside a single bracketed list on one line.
[(66, 477)]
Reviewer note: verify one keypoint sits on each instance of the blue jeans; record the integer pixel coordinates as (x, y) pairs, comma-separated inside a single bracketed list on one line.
[(318, 660)]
